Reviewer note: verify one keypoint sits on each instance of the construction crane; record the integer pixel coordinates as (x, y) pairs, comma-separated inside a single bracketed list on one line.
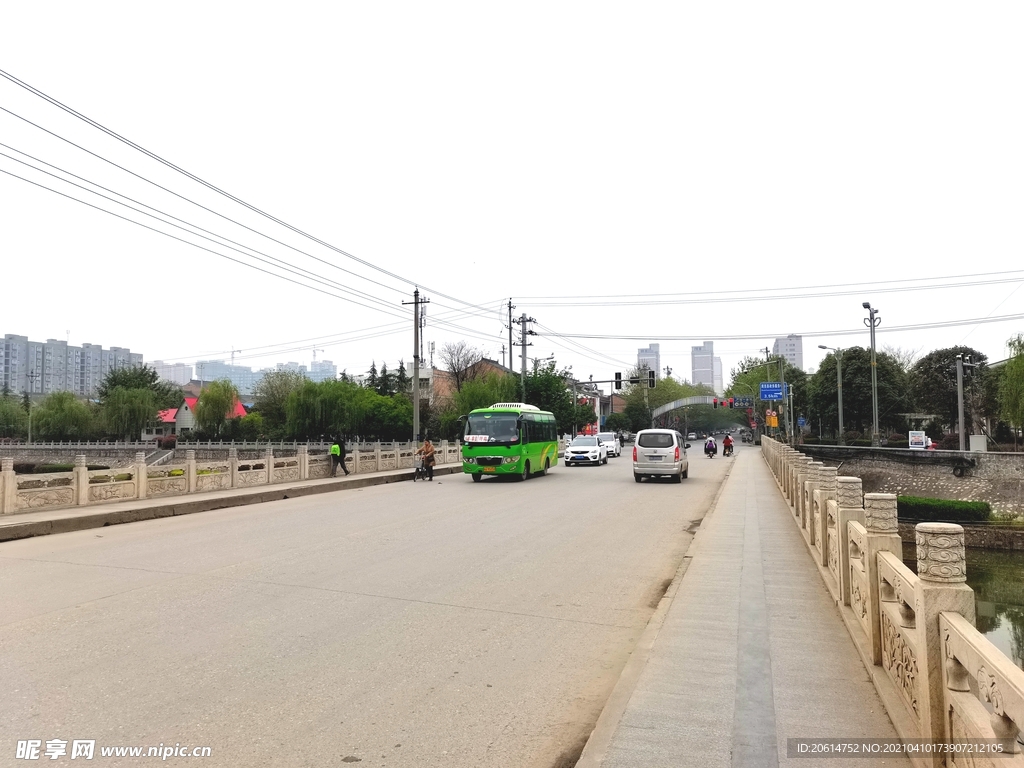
[(315, 350)]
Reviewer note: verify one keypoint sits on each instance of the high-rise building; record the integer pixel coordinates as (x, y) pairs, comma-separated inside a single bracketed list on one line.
[(791, 348), (718, 385), (242, 376), (55, 366), (176, 373), (649, 358), (702, 363), (322, 370)]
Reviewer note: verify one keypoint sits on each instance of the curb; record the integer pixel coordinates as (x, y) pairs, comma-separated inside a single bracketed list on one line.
[(596, 749), (12, 531)]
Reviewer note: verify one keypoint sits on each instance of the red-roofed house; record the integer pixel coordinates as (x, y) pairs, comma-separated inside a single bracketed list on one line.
[(174, 421)]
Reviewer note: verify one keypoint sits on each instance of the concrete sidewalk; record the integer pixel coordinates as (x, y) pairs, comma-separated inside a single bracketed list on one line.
[(746, 651), (27, 524)]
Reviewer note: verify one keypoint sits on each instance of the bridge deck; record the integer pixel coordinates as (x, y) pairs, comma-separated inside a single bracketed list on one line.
[(751, 651)]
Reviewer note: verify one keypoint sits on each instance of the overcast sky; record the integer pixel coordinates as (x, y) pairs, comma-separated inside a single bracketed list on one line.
[(539, 151)]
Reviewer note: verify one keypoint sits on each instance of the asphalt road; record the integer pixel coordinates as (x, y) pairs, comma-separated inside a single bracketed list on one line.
[(449, 623)]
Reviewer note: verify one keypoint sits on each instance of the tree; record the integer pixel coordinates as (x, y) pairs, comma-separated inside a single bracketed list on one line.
[(385, 381), (165, 394), (324, 409), (458, 359), (904, 358), (617, 422), (216, 402), (61, 416), (1011, 386), (127, 412), (270, 397), (933, 386), (546, 388), (402, 380), (371, 376), (251, 427), (893, 396), (13, 419)]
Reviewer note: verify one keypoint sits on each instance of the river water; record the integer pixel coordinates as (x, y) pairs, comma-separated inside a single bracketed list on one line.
[(997, 578)]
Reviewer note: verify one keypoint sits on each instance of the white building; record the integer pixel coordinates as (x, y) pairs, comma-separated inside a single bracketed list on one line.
[(649, 358), (56, 366), (791, 348), (702, 363), (718, 384), (242, 376), (323, 370), (176, 373)]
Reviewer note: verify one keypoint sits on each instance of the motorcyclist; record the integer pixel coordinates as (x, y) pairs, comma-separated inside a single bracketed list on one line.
[(711, 447), (727, 446)]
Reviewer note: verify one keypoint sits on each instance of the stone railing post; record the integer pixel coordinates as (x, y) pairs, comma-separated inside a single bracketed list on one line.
[(268, 460), (141, 476), (807, 489), (355, 459), (942, 577), (233, 465), (822, 495), (190, 471), (796, 463), (8, 487), (81, 481), (376, 456), (303, 462), (802, 474), (883, 536)]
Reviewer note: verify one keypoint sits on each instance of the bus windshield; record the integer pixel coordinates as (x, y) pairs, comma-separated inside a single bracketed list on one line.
[(492, 428)]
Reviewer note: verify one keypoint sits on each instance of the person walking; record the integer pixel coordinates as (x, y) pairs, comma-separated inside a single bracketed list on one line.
[(427, 452), (342, 453), (335, 457)]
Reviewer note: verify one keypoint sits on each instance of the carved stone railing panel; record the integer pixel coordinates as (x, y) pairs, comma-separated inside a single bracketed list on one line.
[(44, 498), (112, 491), (367, 462), (251, 477), (901, 641), (213, 482), (388, 460), (159, 487), (984, 691), (860, 594)]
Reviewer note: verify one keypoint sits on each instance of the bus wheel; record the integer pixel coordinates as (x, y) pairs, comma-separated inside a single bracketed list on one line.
[(547, 466), (476, 477), (526, 471)]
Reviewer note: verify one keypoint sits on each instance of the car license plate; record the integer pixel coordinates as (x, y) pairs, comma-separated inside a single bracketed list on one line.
[(654, 458), (488, 469)]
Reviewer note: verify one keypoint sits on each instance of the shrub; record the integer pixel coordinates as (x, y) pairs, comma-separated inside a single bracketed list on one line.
[(167, 443), (949, 443), (947, 510)]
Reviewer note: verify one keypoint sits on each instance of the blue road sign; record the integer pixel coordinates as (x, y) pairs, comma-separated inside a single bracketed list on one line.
[(772, 390), (800, 422)]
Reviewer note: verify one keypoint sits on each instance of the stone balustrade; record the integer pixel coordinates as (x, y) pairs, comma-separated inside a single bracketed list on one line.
[(938, 677), (82, 486)]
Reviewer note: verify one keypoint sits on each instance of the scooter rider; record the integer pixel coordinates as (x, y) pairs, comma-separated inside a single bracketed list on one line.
[(711, 447), (727, 446)]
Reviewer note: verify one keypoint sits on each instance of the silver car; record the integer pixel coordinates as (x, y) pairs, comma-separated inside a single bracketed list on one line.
[(611, 440), (660, 453)]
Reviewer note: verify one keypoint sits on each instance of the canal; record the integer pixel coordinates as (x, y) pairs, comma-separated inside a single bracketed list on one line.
[(997, 578)]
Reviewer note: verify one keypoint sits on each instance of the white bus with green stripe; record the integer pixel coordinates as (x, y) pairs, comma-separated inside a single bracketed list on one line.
[(509, 439)]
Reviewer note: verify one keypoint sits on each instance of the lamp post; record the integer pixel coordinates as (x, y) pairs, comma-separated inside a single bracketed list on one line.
[(839, 388), (872, 321)]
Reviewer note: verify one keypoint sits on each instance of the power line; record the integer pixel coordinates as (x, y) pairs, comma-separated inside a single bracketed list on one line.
[(810, 334), (154, 156)]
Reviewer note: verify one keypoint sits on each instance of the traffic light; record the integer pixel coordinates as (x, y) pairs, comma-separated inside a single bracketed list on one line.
[(650, 380), (731, 402), (714, 403), (618, 379)]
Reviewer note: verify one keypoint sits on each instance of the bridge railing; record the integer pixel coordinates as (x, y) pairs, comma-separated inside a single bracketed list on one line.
[(937, 675), (82, 486)]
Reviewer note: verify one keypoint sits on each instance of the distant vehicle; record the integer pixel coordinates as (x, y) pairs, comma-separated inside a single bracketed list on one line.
[(509, 439), (611, 441), (586, 449), (692, 436), (660, 453)]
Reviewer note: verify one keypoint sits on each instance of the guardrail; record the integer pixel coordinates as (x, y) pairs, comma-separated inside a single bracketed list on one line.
[(937, 675), (82, 486)]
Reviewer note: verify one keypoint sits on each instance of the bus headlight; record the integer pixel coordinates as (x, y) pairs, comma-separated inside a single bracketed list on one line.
[(511, 459), (469, 460)]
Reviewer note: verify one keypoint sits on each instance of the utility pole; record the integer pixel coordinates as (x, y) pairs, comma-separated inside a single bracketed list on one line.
[(416, 301), (510, 308), (503, 356), (32, 376), (524, 331), (962, 361), (872, 322)]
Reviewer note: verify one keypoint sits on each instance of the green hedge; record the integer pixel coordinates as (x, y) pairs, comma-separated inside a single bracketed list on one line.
[(31, 468), (948, 510)]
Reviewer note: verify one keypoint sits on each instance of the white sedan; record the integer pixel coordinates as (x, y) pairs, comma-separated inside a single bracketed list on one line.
[(586, 450)]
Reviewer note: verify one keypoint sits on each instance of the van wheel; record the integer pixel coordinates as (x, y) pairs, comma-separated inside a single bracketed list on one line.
[(679, 477), (686, 472), (637, 477), (526, 471), (476, 477)]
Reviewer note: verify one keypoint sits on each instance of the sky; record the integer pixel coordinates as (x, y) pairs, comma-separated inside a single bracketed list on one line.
[(624, 174)]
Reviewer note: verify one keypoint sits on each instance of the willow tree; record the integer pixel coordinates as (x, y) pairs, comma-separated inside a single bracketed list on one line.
[(127, 412), (216, 403)]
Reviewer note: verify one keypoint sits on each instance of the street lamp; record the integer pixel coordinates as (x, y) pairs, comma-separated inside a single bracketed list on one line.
[(872, 321), (839, 388)]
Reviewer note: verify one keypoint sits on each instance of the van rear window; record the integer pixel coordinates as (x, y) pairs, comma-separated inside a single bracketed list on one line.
[(656, 440)]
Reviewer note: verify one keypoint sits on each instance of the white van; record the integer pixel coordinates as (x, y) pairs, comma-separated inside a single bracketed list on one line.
[(660, 453), (611, 440)]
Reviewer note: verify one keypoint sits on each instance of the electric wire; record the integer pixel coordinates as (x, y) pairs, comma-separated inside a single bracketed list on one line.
[(154, 156)]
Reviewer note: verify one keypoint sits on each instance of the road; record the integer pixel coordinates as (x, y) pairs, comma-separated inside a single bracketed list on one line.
[(449, 623)]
